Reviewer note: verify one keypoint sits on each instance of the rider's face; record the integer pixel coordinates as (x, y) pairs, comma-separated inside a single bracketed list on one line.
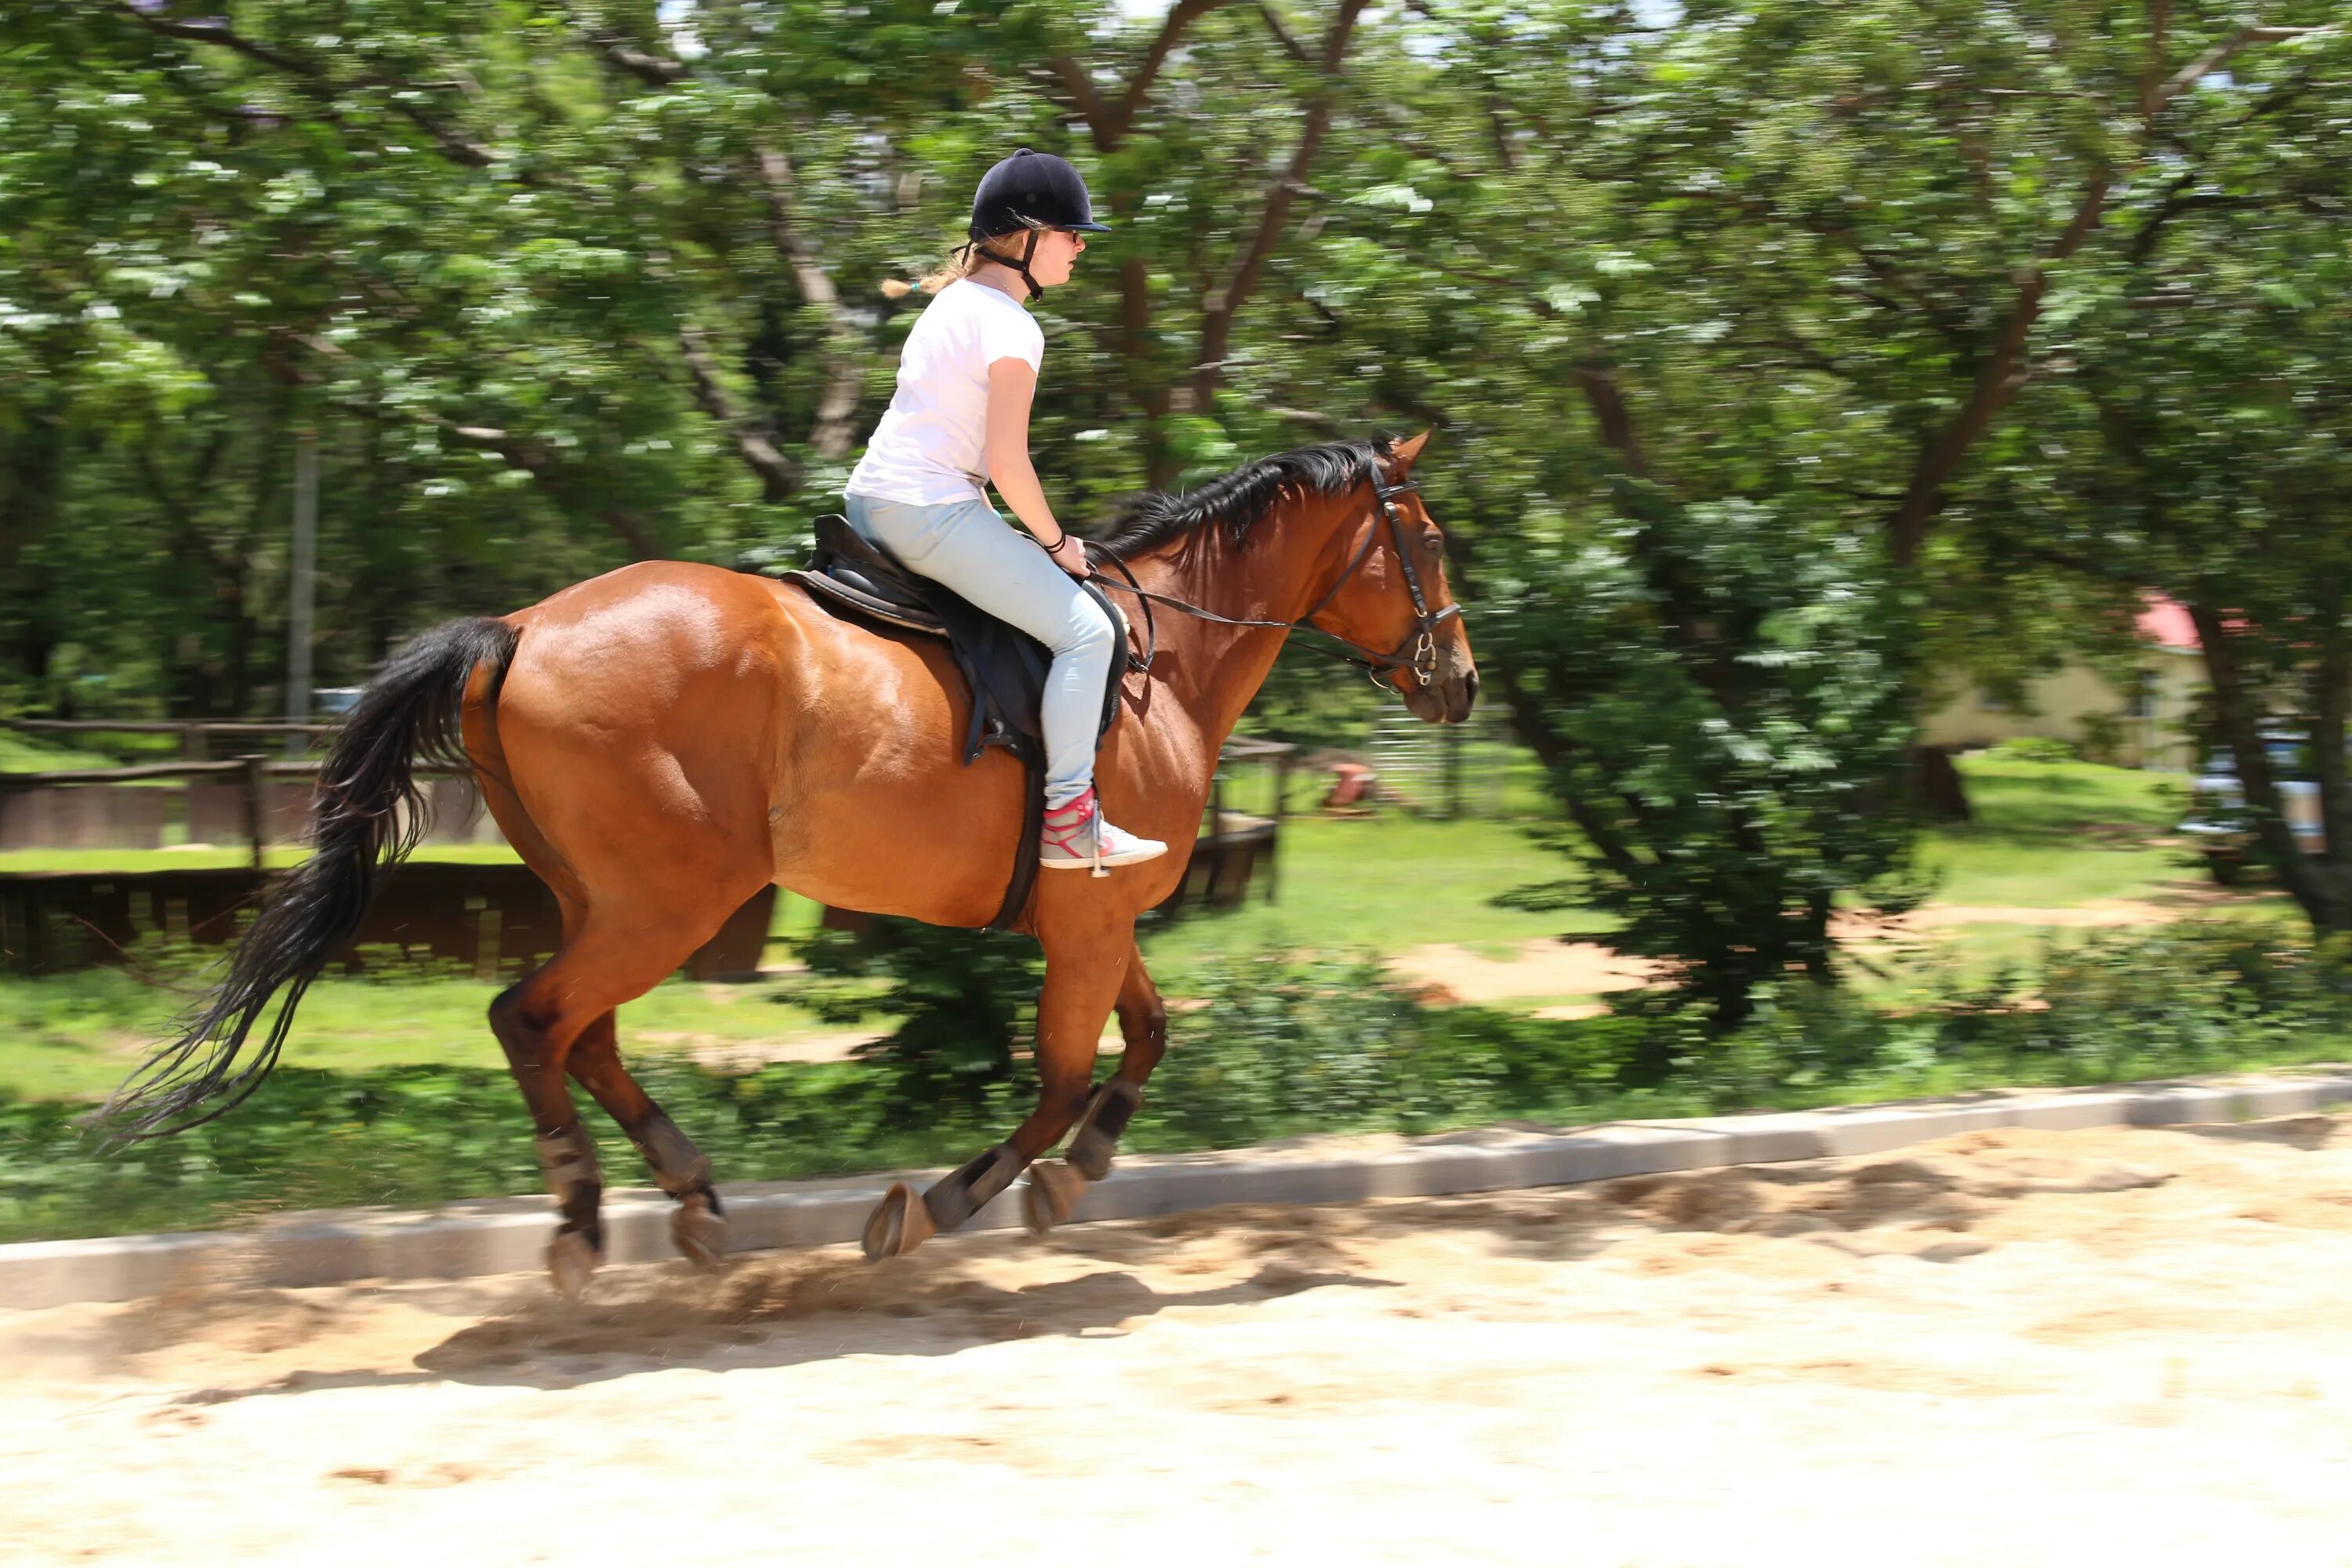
[(1057, 252)]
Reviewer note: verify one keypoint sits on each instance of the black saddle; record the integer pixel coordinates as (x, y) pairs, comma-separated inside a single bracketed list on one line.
[(1003, 667)]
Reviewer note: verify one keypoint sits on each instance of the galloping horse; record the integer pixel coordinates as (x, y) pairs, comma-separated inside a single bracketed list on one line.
[(659, 742)]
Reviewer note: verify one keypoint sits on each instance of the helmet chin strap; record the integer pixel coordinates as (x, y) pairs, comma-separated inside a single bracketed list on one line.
[(1028, 254)]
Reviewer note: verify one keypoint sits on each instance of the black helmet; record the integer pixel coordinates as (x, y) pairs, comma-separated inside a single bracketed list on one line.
[(1032, 190)]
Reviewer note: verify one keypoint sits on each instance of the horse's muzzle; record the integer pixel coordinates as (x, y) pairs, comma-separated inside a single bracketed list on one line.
[(1447, 696)]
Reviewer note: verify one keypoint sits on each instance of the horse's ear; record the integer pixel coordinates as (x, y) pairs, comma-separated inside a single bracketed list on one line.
[(1405, 453)]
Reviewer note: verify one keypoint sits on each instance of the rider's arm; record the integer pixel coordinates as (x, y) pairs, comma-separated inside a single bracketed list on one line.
[(1012, 385)]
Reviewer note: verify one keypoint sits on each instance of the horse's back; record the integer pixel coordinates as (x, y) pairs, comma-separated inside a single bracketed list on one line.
[(821, 752)]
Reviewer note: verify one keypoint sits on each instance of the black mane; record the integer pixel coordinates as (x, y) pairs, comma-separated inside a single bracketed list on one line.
[(1239, 499)]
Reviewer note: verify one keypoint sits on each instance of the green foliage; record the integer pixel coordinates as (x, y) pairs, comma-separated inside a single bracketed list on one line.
[(2196, 996), (1328, 1044), (1784, 356), (964, 1001), (1316, 1044), (1723, 714)]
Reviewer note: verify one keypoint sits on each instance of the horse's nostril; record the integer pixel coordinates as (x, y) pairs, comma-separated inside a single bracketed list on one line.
[(1469, 689)]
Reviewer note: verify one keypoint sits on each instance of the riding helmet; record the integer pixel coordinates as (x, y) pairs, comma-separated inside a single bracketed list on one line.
[(1031, 191)]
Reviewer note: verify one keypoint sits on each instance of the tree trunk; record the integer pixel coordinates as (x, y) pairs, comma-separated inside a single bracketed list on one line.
[(1936, 784), (2318, 883), (31, 483)]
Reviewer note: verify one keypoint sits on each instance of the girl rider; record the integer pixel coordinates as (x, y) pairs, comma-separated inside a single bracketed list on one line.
[(958, 422)]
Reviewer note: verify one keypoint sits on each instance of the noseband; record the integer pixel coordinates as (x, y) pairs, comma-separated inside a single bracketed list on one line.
[(1417, 652)]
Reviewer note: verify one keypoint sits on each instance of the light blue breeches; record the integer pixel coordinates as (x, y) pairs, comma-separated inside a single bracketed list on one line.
[(971, 549)]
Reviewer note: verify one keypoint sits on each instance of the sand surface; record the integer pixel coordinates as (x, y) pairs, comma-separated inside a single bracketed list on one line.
[(2111, 1347)]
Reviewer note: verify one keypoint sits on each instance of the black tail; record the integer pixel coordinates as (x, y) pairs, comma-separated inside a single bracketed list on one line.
[(410, 711)]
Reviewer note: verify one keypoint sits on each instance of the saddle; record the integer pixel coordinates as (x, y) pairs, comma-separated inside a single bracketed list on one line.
[(1003, 667)]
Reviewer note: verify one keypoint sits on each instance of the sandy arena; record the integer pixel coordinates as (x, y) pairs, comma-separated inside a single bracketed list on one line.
[(2111, 1347)]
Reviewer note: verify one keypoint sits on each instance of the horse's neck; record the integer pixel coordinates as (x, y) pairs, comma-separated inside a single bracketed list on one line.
[(1214, 672)]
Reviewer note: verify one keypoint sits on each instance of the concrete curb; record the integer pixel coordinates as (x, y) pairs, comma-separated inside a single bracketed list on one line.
[(502, 1236)]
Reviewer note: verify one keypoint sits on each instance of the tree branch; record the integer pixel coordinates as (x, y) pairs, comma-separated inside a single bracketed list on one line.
[(2212, 59), (1180, 16), (1556, 754), (1081, 88), (1223, 304), (1607, 401), (2000, 375), (1998, 380), (1282, 35), (2159, 42), (1309, 417), (835, 430), (1109, 123), (532, 457), (452, 144), (777, 472), (625, 54)]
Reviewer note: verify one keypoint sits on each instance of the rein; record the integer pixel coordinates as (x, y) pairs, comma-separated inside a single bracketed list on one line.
[(1422, 640)]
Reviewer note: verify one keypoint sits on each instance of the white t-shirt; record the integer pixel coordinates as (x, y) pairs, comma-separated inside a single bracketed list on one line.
[(930, 449)]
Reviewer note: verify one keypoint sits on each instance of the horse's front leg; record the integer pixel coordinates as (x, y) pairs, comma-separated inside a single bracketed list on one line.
[(1055, 1189), (1083, 978)]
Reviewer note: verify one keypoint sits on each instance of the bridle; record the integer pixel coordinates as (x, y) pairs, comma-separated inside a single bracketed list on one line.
[(1421, 642)]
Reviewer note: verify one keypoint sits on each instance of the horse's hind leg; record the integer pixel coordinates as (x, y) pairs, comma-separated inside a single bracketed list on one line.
[(1054, 1189), (540, 1020), (1082, 980), (699, 1226), (567, 1155)]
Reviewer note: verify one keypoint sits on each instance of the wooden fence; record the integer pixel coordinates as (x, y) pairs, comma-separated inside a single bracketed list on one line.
[(488, 916), (495, 920), (250, 801)]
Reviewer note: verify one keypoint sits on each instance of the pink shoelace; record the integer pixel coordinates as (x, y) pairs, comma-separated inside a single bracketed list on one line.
[(1064, 824)]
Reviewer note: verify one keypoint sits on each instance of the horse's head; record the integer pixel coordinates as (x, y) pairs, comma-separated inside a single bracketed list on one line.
[(1389, 596)]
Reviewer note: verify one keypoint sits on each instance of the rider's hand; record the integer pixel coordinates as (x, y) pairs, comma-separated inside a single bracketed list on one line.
[(1070, 556)]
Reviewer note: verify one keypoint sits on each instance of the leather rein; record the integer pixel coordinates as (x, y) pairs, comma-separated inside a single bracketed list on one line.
[(1421, 640)]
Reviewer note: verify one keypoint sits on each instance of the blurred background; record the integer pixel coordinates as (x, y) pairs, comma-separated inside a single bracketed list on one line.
[(1895, 459)]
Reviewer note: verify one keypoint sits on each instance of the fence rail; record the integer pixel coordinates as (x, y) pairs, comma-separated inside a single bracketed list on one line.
[(138, 772), (252, 800), (230, 727), (259, 801)]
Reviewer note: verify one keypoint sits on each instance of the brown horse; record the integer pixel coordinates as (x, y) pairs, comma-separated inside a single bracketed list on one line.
[(660, 741)]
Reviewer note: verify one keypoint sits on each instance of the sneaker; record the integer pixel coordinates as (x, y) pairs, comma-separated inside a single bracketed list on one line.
[(1076, 835)]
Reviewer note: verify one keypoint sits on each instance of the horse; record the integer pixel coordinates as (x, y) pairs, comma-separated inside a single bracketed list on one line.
[(660, 741)]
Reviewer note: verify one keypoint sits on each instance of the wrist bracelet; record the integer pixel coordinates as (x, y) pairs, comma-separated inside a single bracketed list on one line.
[(1057, 543)]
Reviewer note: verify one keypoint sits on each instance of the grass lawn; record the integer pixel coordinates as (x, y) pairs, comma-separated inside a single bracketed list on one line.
[(2052, 834), (24, 754), (74, 1036), (1387, 883)]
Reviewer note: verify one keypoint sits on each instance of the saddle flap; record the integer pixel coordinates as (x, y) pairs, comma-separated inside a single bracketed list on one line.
[(834, 592)]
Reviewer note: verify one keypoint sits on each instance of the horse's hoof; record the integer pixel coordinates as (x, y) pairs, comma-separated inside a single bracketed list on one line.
[(571, 1261), (1096, 1139), (1052, 1196), (700, 1232), (1090, 1152), (899, 1224)]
